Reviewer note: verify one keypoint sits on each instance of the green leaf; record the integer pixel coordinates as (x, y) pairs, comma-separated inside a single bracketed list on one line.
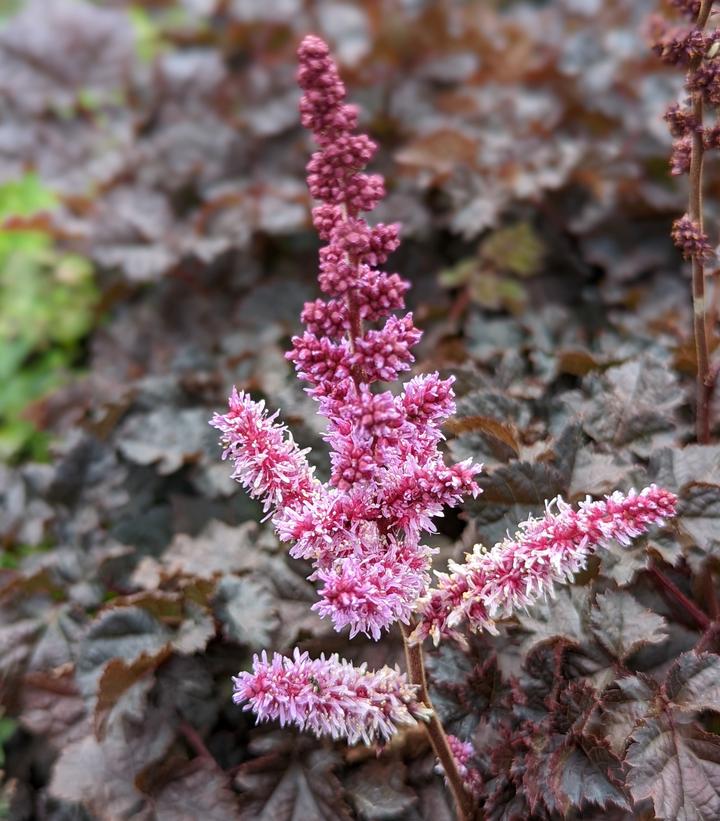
[(495, 292), (7, 729), (47, 302), (25, 196), (517, 249), (148, 36), (457, 275)]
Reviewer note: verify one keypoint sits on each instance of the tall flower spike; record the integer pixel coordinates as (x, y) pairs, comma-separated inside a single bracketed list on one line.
[(696, 48), (362, 530)]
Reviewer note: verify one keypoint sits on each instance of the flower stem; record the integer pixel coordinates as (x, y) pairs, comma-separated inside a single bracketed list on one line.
[(695, 212), (697, 615), (416, 672), (193, 738)]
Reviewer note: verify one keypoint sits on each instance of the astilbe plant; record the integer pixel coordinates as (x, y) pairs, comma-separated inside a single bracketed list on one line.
[(694, 45), (363, 529)]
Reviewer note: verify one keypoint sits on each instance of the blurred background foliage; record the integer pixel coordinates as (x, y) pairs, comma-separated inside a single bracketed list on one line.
[(47, 301), (153, 138)]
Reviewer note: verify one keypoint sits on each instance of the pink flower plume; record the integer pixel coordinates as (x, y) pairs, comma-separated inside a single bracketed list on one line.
[(520, 570), (329, 696)]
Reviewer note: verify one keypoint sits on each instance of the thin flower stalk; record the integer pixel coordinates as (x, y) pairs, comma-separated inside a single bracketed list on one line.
[(697, 50)]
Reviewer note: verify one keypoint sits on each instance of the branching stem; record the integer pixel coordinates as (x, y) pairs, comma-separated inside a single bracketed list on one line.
[(191, 735), (697, 615)]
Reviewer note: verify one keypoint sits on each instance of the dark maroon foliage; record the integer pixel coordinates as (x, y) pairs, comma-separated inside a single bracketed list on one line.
[(525, 152)]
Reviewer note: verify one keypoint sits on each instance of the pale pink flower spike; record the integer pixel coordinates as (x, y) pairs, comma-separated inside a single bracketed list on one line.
[(362, 529)]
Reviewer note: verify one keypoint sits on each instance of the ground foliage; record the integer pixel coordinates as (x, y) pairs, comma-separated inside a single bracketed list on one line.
[(526, 157)]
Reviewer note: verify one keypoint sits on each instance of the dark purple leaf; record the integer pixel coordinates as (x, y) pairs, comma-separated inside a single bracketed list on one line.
[(676, 764)]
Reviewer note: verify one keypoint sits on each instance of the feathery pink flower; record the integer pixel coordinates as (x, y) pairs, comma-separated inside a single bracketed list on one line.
[(375, 586), (362, 528), (520, 570), (329, 696), (268, 463), (323, 526)]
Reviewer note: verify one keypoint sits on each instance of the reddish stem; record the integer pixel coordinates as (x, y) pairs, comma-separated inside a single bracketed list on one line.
[(193, 738), (464, 804), (710, 593), (708, 637), (689, 606), (695, 212)]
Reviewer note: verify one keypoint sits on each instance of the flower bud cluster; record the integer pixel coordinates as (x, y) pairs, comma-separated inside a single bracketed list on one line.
[(681, 156), (681, 121), (677, 44), (464, 752), (706, 79), (690, 239)]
